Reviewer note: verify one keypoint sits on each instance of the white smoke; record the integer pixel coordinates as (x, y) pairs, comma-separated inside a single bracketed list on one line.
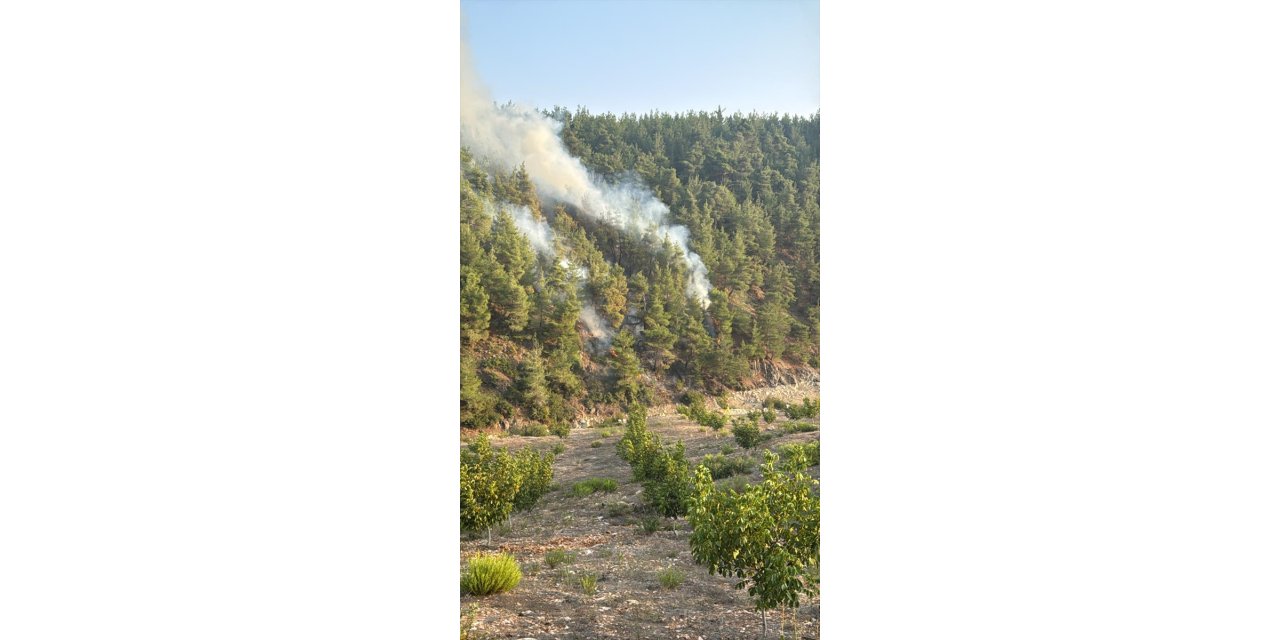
[(596, 326), (534, 229), (512, 135), (598, 329)]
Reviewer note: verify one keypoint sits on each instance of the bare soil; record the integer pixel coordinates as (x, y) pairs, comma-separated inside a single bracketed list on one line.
[(604, 531)]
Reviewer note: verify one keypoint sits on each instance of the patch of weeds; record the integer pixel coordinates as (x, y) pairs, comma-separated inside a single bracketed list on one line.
[(534, 430), (670, 578), (737, 484), (722, 466), (799, 427), (468, 621), (727, 449), (594, 485), (650, 524), (618, 509), (596, 444), (489, 573), (558, 449), (588, 583), (557, 557), (560, 429)]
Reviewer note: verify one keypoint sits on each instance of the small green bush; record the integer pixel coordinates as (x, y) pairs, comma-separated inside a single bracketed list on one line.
[(560, 429), (715, 420), (747, 434), (670, 578), (618, 509), (594, 485), (490, 573), (558, 449), (588, 583), (727, 449), (557, 557), (769, 415)]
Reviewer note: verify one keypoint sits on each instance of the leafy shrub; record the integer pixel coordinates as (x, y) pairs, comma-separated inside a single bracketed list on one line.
[(558, 449), (560, 429), (716, 420), (769, 415), (808, 453), (494, 482), (637, 438), (773, 403), (727, 449), (747, 434), (722, 466), (594, 485), (807, 409), (489, 573), (670, 578), (488, 483), (669, 483), (695, 409), (535, 477), (766, 536), (588, 583), (557, 557), (664, 470)]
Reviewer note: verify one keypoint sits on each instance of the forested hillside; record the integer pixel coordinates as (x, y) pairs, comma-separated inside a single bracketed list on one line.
[(561, 313)]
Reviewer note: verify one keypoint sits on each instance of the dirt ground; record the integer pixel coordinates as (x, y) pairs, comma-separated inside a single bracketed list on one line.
[(603, 530)]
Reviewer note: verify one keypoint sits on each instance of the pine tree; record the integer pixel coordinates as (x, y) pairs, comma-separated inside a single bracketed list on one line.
[(474, 306), (627, 385), (532, 387)]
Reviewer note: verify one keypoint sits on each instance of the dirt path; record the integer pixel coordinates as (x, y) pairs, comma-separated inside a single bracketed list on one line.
[(604, 532)]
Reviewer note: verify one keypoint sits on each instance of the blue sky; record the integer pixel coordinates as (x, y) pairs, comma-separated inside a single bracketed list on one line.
[(642, 55)]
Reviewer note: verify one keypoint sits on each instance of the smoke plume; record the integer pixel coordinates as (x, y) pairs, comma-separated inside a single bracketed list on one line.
[(599, 330), (535, 230), (511, 135)]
